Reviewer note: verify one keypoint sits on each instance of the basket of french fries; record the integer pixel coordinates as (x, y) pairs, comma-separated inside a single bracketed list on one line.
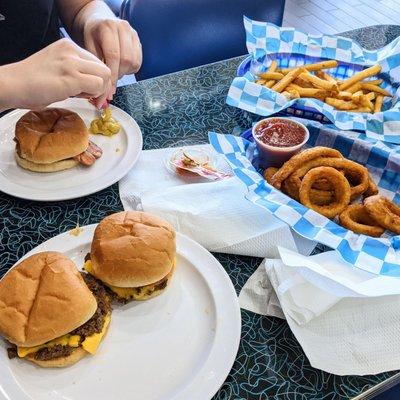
[(360, 92), (329, 79)]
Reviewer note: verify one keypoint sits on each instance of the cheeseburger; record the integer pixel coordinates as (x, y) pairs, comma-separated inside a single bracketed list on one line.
[(53, 139), (51, 313), (133, 254)]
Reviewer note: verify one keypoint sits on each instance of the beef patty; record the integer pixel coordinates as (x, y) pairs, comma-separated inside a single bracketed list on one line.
[(94, 325)]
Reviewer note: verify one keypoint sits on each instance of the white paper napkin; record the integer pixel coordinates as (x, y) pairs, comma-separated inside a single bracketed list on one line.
[(258, 294), (345, 319), (215, 214)]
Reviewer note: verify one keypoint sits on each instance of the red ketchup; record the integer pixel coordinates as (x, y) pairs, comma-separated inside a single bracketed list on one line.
[(278, 139), (280, 133)]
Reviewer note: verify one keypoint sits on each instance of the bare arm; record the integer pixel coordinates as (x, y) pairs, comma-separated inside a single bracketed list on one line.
[(75, 13)]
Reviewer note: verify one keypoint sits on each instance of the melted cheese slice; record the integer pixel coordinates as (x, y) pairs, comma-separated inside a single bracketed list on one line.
[(138, 293), (128, 293), (91, 343), (66, 340)]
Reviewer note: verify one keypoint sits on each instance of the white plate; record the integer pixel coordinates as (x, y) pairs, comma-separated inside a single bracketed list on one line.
[(120, 152), (180, 345)]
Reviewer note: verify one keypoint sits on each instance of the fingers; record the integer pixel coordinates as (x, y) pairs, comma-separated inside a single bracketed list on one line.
[(130, 50), (102, 101), (137, 51), (92, 46), (110, 46), (94, 86), (94, 55), (95, 68)]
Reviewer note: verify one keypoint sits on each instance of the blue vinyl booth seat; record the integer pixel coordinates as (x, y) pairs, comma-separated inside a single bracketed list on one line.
[(180, 34)]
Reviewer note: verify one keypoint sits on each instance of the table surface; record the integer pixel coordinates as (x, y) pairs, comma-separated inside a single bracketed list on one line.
[(180, 109)]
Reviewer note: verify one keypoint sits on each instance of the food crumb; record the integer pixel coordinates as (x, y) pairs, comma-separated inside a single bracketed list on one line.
[(76, 231), (117, 150)]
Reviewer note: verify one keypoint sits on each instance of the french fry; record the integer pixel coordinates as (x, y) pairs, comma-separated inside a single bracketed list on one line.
[(273, 66), (374, 81), (281, 85), (269, 84), (295, 94), (357, 96), (345, 96), (321, 83), (341, 104), (288, 95), (312, 92), (313, 67), (270, 75), (370, 95), (324, 75), (374, 88), (366, 102), (294, 86), (260, 81), (303, 83), (378, 103), (353, 88), (359, 76)]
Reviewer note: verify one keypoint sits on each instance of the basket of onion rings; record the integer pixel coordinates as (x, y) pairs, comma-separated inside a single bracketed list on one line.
[(338, 190), (323, 180)]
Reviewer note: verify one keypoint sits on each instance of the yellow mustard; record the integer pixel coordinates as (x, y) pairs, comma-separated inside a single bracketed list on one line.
[(105, 125)]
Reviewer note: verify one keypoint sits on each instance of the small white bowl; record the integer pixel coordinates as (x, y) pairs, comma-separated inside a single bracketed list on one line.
[(271, 156)]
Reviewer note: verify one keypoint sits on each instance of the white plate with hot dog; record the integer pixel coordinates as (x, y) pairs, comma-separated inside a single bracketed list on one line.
[(119, 153)]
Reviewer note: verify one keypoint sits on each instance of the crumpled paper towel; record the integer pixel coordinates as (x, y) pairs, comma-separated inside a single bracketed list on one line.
[(214, 213), (346, 320)]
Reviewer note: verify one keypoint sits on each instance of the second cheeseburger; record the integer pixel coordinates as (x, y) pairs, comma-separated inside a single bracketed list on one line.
[(134, 254)]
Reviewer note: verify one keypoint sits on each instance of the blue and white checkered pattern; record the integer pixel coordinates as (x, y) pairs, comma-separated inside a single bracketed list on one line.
[(266, 41), (376, 255)]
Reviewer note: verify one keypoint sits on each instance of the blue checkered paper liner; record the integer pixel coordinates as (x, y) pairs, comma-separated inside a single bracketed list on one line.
[(290, 47), (375, 255)]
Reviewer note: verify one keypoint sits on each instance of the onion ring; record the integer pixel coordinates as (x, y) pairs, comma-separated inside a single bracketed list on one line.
[(340, 186), (349, 167), (355, 218), (299, 159), (372, 188), (358, 179), (384, 212), (291, 187), (269, 173), (322, 184)]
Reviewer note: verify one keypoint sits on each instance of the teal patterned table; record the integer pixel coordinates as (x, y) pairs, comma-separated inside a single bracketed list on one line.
[(175, 110)]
